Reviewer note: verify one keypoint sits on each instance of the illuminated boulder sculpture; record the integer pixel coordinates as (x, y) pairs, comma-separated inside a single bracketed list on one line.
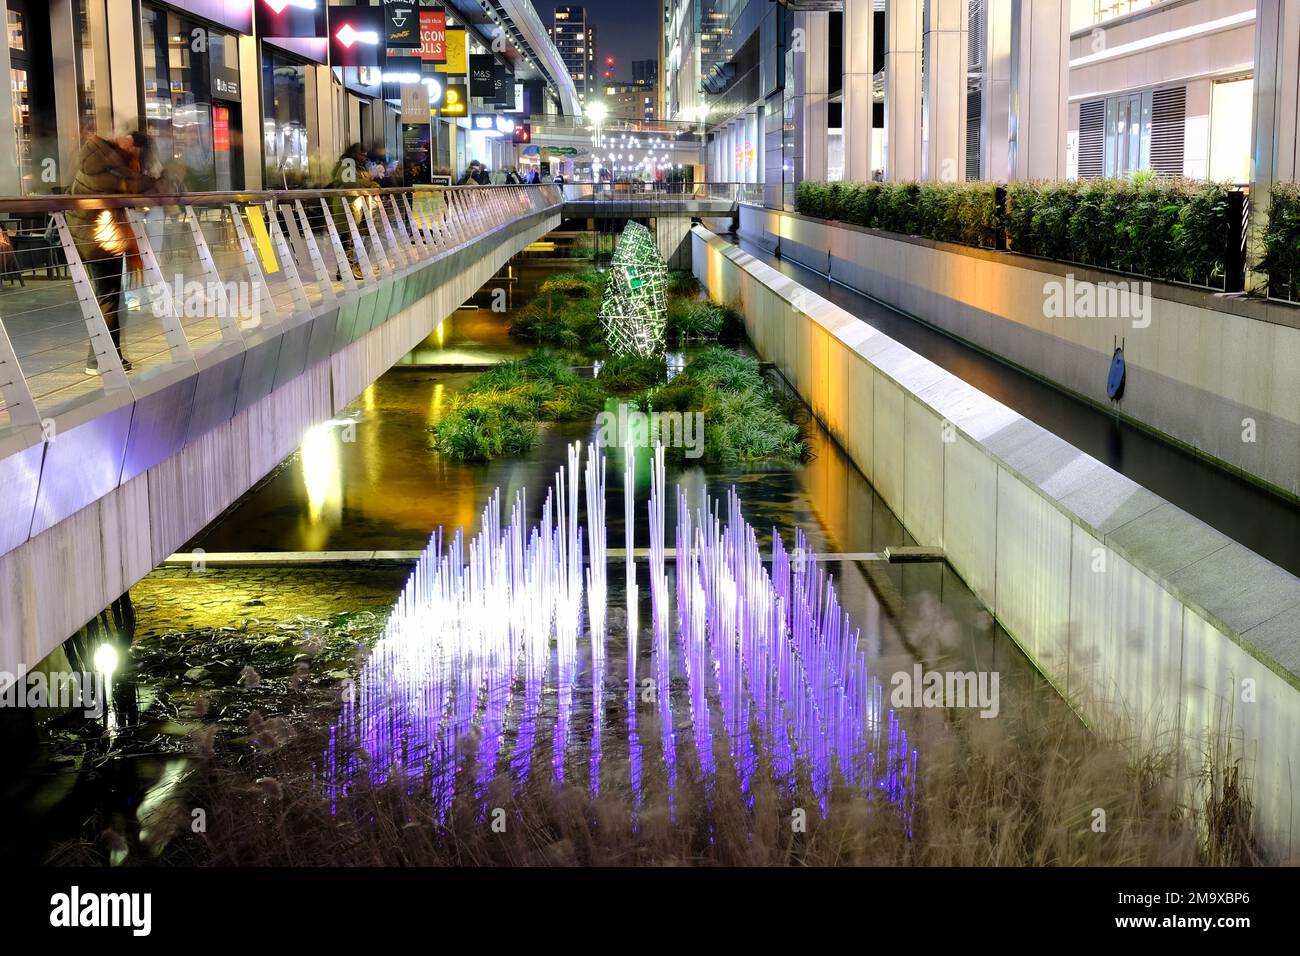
[(634, 308)]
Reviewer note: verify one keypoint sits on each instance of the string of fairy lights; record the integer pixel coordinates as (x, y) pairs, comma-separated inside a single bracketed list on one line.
[(622, 153)]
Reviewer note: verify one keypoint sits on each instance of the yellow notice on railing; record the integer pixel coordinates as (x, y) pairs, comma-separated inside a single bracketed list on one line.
[(426, 207), (262, 238)]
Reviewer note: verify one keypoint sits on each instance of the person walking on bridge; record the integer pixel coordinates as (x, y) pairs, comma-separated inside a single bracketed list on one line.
[(103, 237), (351, 172)]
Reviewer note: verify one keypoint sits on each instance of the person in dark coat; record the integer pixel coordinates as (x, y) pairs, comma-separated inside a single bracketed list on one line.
[(103, 237), (351, 172), (470, 176)]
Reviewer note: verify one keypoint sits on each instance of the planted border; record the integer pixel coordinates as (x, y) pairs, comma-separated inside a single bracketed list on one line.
[(1177, 230)]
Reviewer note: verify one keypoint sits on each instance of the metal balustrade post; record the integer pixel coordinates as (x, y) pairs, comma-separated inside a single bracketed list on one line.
[(13, 385), (340, 254), (446, 226), (403, 233), (358, 244), (107, 359), (251, 262), (287, 264), (212, 279), (419, 221), (164, 304), (465, 215), (397, 247), (416, 222), (313, 253), (381, 254)]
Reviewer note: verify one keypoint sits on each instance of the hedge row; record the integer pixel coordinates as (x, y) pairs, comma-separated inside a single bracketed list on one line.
[(948, 212), (1281, 262), (1173, 229), (1163, 228)]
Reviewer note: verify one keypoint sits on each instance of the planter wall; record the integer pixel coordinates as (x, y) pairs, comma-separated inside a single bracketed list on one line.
[(1208, 371)]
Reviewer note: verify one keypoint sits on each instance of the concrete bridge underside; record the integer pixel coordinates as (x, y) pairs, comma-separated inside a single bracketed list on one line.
[(127, 479)]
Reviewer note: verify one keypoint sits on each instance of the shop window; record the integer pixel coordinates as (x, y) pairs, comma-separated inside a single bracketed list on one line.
[(284, 116), (191, 98), (1128, 133), (84, 54), (31, 84), (1231, 115)]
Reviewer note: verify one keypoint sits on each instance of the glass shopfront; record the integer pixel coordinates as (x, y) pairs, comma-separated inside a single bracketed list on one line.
[(32, 95), (284, 118), (192, 100)]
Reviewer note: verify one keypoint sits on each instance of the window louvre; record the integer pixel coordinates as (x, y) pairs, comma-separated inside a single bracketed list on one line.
[(1092, 122), (1168, 114)]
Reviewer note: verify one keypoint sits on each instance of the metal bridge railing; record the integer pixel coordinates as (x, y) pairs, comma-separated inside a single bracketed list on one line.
[(96, 291), (634, 189)]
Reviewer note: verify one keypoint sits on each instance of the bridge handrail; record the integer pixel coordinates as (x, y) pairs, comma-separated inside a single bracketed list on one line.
[(64, 202), (104, 291), (636, 190)]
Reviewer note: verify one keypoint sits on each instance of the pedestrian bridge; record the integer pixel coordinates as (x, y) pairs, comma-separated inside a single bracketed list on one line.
[(241, 332), (639, 201)]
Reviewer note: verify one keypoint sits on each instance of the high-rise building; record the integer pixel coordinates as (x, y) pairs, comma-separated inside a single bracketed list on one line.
[(630, 101), (575, 37), (645, 72)]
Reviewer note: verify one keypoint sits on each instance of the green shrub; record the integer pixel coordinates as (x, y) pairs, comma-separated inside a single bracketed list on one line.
[(631, 373), (560, 317), (577, 285), (683, 283), (572, 401), (702, 320), (499, 411), (1281, 261), (1173, 229), (948, 212), (481, 433), (744, 419), (1148, 225)]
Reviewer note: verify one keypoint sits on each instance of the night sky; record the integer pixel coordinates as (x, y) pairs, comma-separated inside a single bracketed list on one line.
[(625, 29)]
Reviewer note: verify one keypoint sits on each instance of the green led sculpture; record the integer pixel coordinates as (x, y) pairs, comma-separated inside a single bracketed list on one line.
[(634, 308)]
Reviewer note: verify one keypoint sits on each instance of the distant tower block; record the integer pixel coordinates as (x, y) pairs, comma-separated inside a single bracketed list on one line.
[(634, 308)]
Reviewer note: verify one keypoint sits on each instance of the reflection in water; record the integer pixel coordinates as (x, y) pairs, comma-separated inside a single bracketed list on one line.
[(765, 660), (322, 471)]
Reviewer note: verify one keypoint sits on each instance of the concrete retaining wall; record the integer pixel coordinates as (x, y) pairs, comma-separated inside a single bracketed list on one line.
[(1142, 616), (1218, 374), (60, 578)]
